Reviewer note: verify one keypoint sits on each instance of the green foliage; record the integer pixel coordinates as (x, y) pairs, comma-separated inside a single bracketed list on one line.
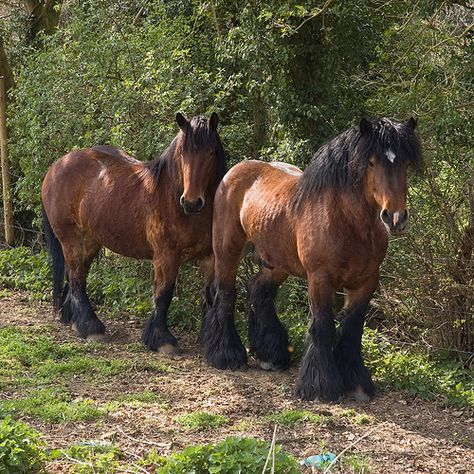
[(201, 420), (55, 405), (231, 456), (289, 418), (20, 448), (91, 457), (355, 463), (22, 269), (40, 366), (418, 373)]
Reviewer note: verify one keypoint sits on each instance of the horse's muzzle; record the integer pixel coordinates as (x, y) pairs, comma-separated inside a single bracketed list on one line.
[(395, 222), (194, 207)]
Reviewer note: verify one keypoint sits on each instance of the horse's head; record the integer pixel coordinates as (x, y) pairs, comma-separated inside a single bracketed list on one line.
[(389, 149), (201, 160)]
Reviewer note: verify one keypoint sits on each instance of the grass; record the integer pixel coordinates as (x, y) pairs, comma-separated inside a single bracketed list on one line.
[(289, 418), (54, 404), (34, 364), (200, 420)]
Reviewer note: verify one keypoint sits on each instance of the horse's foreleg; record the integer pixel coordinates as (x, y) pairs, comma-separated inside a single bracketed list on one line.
[(268, 337), (156, 335), (222, 345), (348, 352), (319, 375)]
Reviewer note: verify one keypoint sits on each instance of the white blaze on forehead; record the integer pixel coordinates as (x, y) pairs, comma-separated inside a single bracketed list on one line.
[(390, 155)]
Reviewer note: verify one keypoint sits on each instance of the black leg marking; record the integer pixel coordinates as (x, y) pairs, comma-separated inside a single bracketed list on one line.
[(222, 345), (348, 354), (268, 338), (319, 376), (156, 333), (77, 309)]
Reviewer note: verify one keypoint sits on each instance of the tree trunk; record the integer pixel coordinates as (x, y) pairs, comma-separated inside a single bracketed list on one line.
[(7, 204), (43, 15), (5, 69)]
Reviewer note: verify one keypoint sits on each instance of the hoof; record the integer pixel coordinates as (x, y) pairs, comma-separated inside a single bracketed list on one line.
[(74, 327), (169, 350), (96, 338), (268, 366), (359, 395)]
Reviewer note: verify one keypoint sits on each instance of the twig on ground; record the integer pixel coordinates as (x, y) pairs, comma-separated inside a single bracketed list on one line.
[(152, 443), (270, 451)]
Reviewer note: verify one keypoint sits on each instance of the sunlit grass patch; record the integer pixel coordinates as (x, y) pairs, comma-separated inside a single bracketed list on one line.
[(90, 457), (289, 418), (201, 420), (55, 404)]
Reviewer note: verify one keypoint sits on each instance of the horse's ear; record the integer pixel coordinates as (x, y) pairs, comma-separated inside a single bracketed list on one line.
[(412, 123), (182, 121), (365, 126), (213, 121)]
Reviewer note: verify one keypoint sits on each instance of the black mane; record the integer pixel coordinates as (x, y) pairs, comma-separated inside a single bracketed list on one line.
[(342, 162), (198, 135)]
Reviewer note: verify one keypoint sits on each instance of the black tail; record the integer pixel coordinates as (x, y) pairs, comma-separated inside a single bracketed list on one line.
[(57, 260)]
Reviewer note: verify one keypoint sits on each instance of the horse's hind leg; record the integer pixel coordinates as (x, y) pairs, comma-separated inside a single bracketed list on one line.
[(77, 308), (348, 351), (268, 337), (156, 335)]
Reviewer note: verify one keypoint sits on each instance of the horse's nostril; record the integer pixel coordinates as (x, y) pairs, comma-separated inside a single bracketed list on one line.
[(181, 201), (200, 203), (385, 216)]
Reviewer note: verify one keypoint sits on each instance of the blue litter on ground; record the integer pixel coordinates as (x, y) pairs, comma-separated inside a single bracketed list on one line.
[(318, 460)]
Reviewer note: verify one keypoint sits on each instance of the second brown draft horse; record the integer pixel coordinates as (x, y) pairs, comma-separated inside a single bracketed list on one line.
[(329, 225), (159, 210)]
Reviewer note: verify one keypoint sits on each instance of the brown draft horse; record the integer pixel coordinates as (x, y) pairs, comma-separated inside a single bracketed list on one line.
[(159, 210), (329, 225)]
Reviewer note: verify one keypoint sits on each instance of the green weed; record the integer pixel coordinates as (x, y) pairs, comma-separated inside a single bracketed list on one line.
[(289, 418), (418, 373), (20, 448), (355, 464), (55, 405), (231, 455), (200, 420), (90, 457)]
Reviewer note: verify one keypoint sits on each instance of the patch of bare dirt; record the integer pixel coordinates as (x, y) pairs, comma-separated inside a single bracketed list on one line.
[(402, 436)]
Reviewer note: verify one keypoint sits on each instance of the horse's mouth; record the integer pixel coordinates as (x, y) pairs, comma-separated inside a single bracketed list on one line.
[(192, 212), (395, 231)]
